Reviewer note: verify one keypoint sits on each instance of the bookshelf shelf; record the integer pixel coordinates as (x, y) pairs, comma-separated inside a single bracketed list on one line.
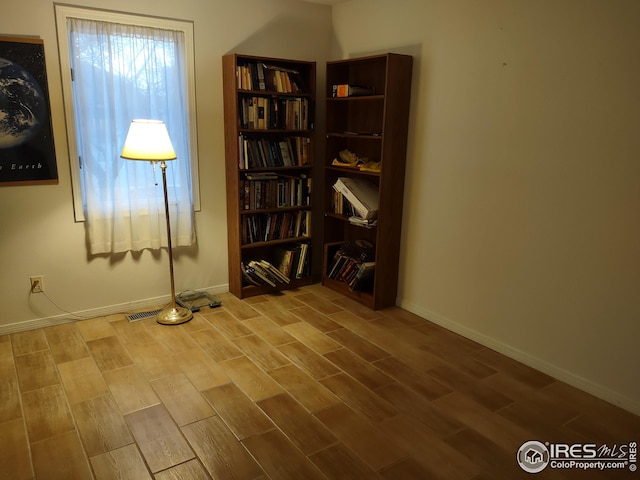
[(361, 136), (267, 93), (272, 210), (275, 169), (269, 127), (360, 98), (374, 127), (349, 171), (281, 241), (274, 131)]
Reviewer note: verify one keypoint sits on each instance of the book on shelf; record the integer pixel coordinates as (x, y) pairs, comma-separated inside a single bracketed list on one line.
[(259, 190), (363, 279), (337, 263), (284, 257), (342, 206), (285, 264), (249, 277), (303, 263), (262, 76), (281, 113), (282, 79), (346, 90), (262, 84), (359, 250), (293, 260), (360, 193), (265, 227), (268, 153), (361, 222), (354, 264), (269, 270), (261, 274)]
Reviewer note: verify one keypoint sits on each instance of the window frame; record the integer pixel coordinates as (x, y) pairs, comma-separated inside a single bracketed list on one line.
[(62, 12)]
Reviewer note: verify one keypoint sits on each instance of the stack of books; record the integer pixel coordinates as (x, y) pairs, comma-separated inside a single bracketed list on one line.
[(261, 272), (354, 264), (289, 263), (265, 227), (361, 194)]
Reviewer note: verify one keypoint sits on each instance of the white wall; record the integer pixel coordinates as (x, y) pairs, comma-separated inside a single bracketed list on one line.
[(38, 235), (522, 202)]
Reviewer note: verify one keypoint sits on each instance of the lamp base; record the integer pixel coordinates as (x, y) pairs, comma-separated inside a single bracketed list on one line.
[(174, 315)]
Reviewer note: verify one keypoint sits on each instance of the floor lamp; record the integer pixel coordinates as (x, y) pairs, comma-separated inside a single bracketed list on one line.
[(148, 140)]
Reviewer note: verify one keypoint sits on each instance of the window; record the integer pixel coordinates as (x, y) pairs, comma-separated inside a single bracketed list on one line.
[(117, 67)]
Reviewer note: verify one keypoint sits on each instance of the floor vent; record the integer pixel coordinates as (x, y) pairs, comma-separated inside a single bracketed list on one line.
[(139, 316)]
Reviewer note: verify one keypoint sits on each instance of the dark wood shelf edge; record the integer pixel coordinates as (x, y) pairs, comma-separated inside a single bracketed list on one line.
[(279, 168), (378, 96), (352, 170), (361, 136), (271, 93), (276, 210), (290, 133), (279, 241)]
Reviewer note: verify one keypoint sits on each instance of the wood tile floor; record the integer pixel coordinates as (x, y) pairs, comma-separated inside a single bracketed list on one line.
[(304, 385)]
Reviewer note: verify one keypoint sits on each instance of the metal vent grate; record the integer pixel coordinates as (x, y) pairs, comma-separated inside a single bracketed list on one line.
[(139, 316)]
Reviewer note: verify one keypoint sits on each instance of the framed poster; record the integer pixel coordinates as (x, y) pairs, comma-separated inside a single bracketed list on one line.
[(27, 152)]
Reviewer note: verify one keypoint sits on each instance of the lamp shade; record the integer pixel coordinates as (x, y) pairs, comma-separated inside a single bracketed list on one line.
[(148, 140)]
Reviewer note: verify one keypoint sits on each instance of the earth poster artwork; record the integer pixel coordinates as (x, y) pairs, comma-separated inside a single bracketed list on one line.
[(27, 151)]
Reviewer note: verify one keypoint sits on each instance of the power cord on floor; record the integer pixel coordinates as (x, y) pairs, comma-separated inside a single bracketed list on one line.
[(209, 300)]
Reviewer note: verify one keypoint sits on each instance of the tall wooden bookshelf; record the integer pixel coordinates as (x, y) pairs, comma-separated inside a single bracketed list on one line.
[(269, 151), (372, 124)]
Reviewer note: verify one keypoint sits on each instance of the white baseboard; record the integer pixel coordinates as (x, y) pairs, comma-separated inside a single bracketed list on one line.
[(96, 312), (561, 374)]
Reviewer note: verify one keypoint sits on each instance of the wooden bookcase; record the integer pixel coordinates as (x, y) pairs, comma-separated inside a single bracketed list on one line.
[(269, 128), (374, 126)]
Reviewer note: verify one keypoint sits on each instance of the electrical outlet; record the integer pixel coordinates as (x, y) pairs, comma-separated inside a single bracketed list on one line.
[(36, 284)]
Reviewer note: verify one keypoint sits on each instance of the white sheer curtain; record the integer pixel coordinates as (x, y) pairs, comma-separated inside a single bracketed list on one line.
[(122, 72)]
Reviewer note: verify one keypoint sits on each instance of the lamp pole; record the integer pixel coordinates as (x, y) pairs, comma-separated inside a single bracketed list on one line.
[(173, 314)]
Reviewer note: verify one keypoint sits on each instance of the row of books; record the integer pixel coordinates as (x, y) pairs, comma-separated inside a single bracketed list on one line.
[(268, 190), (290, 262), (294, 260), (341, 205), (265, 113), (346, 90), (354, 266), (269, 78), (268, 153), (265, 227)]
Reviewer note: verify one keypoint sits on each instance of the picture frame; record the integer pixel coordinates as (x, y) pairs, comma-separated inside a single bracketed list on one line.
[(27, 150)]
